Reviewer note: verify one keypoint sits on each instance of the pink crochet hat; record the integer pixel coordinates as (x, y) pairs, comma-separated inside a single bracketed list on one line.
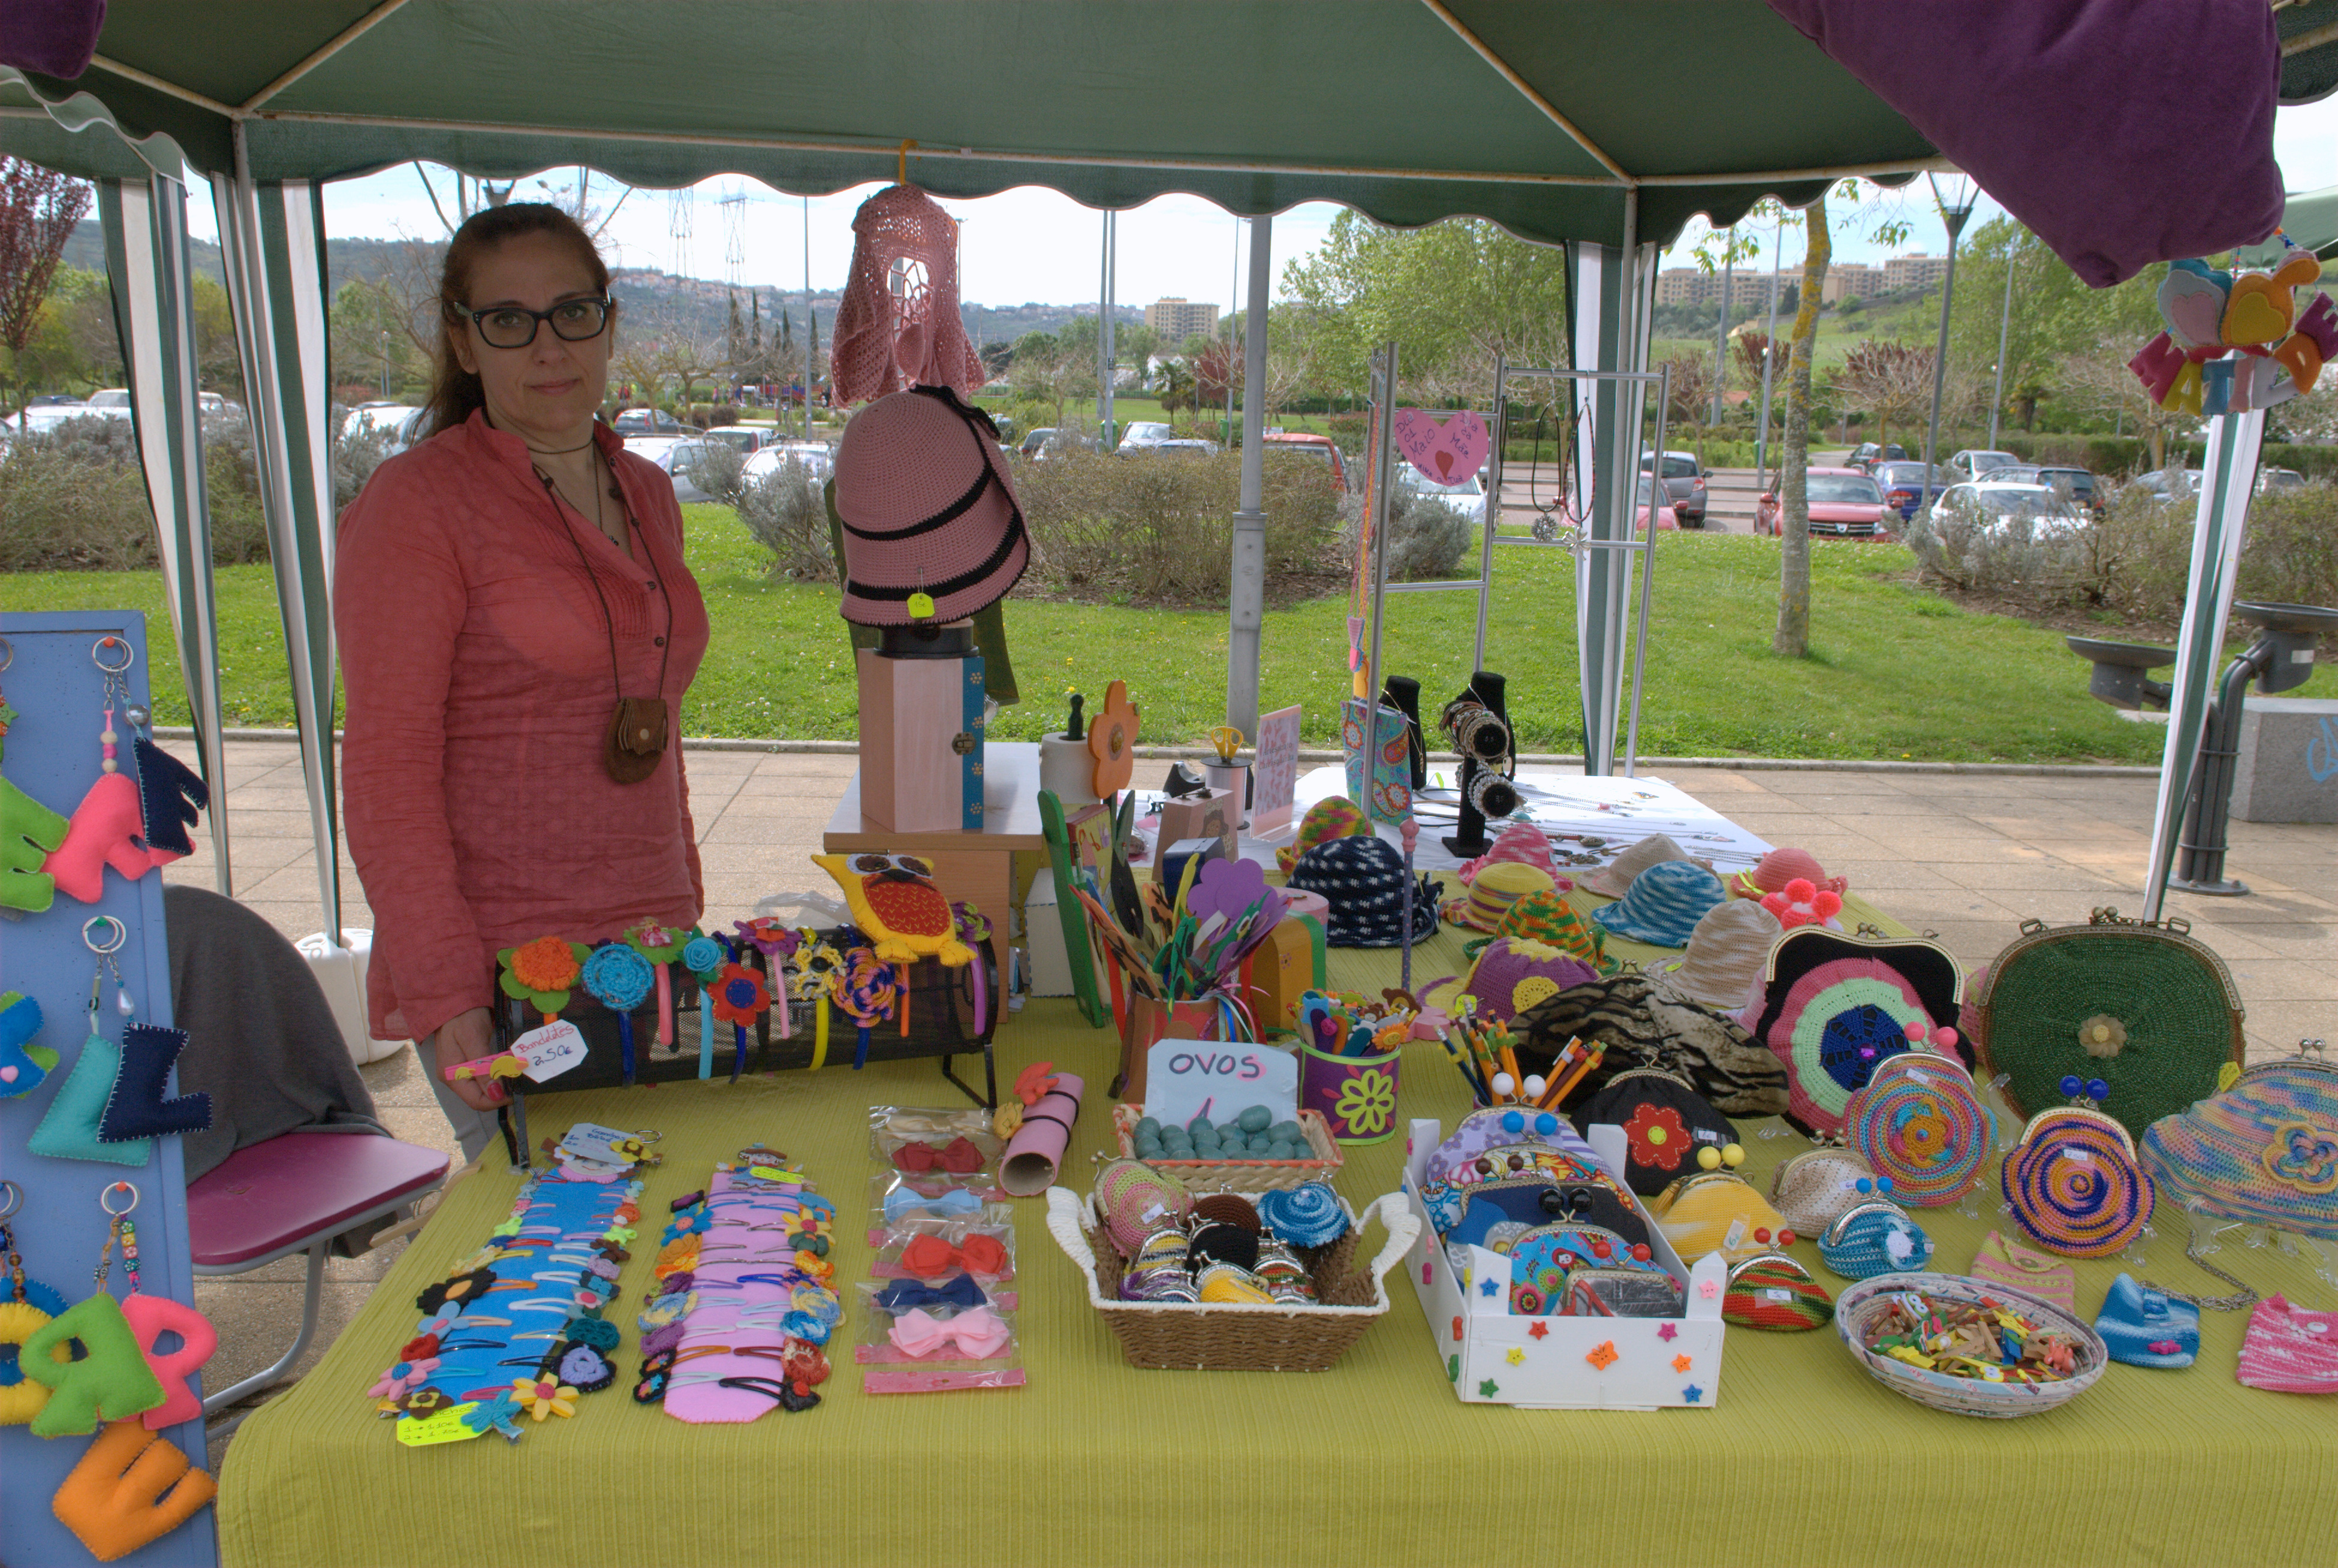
[(928, 507), (1525, 843), (898, 325), (1780, 866)]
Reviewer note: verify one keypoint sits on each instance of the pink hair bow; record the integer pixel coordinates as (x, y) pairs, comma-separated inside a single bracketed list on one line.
[(978, 1334)]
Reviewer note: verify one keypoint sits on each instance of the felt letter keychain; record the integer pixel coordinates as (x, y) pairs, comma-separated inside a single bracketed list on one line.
[(29, 833), (69, 1130), (136, 1108), (131, 1489), (23, 1066), (107, 825), (112, 1382)]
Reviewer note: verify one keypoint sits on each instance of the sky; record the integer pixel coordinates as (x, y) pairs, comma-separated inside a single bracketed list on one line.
[(1032, 244)]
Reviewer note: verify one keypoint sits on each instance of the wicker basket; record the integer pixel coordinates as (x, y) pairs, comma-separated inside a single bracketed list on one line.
[(1239, 1337), (1239, 1175), (1967, 1396)]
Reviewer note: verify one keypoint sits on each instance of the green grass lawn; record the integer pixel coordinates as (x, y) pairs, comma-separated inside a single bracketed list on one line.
[(1894, 672)]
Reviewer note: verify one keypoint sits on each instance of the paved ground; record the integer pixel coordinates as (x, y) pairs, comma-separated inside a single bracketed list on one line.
[(1965, 855)]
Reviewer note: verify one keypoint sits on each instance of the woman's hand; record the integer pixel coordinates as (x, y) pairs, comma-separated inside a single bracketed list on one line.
[(465, 1037)]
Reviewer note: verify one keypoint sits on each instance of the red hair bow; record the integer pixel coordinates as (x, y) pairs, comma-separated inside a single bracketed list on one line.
[(930, 1257), (957, 1156)]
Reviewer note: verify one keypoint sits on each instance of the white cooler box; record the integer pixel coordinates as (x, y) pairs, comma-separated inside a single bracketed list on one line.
[(342, 971)]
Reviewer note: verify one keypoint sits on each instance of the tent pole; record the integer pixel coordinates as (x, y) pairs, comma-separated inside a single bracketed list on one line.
[(1611, 578), (2228, 474), (1246, 585)]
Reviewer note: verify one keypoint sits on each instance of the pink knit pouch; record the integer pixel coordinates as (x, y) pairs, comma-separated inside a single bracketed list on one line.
[(2289, 1352)]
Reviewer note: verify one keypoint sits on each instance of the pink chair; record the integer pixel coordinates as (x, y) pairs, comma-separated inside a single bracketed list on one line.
[(294, 1193)]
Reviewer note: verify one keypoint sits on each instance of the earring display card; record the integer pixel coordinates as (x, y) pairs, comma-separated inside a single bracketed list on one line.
[(53, 754)]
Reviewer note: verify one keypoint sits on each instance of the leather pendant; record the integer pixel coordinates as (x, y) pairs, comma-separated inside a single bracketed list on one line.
[(635, 742)]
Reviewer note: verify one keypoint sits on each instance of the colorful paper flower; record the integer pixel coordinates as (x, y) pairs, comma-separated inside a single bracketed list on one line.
[(543, 1396), (1111, 741), (739, 995), (1659, 1136), (1367, 1102), (403, 1378), (618, 977), (540, 973)]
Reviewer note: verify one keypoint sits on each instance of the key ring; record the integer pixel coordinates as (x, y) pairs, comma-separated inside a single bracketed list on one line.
[(13, 1193), (120, 935), (109, 1190), (7, 654), (97, 654)]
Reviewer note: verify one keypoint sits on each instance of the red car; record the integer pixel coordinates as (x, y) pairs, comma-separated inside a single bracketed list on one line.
[(1322, 448), (1844, 501)]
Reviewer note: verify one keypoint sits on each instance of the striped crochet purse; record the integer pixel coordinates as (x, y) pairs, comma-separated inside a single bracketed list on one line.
[(2264, 1152), (1773, 1292)]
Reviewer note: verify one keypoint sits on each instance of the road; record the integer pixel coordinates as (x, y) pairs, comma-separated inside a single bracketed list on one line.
[(1730, 492)]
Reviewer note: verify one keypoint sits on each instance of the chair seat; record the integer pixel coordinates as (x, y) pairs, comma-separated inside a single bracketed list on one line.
[(297, 1186)]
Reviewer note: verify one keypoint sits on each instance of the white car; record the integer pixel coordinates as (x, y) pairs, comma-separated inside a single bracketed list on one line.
[(2045, 511), (1144, 433), (111, 401), (747, 438), (398, 421), (1971, 464), (1465, 497), (678, 457), (817, 458)]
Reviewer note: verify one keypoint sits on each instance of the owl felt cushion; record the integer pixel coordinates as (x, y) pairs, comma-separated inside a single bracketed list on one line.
[(897, 907)]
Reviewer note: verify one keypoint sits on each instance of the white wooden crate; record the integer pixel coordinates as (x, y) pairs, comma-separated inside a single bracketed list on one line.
[(1492, 1356)]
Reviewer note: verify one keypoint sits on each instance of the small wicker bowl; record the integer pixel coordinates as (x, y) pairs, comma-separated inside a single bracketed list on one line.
[(1862, 1302), (1239, 1175)]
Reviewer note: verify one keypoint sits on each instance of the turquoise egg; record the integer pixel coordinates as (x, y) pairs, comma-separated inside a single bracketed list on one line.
[(1287, 1131), (1198, 1125), (1254, 1118), (1145, 1124)]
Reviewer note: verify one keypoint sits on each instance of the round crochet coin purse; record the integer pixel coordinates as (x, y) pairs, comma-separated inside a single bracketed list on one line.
[(1135, 1200), (2074, 1185), (1920, 1122)]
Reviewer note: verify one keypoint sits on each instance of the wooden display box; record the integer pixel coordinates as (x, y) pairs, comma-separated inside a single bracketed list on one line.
[(1562, 1363), (921, 742)]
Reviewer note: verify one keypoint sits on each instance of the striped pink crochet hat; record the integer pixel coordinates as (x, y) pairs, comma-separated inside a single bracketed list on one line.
[(1522, 842), (928, 507)]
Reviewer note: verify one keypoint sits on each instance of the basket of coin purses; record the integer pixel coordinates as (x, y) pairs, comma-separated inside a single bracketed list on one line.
[(1227, 1281)]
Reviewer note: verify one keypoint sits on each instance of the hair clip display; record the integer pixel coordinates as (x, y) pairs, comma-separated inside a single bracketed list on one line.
[(754, 1293), (934, 1317), (548, 1273)]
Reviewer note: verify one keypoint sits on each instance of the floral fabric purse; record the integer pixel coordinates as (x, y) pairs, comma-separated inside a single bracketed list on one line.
[(1666, 1126)]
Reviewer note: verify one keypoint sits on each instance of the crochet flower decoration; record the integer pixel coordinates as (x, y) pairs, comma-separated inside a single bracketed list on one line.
[(1803, 903), (820, 964), (739, 995), (2102, 1036), (867, 990), (540, 973), (618, 977), (403, 1378), (2304, 1156), (1111, 741), (1659, 1136), (1921, 1138), (655, 943), (702, 955), (1367, 1102), (973, 924), (543, 1396)]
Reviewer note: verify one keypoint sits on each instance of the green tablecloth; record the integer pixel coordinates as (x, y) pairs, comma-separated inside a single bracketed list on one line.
[(1804, 1460)]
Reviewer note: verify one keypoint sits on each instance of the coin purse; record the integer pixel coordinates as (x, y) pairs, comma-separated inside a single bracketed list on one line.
[(1499, 1210), (1874, 1239), (1771, 1290), (1817, 1187), (1501, 1126), (1544, 1261), (2074, 1185), (1718, 1212)]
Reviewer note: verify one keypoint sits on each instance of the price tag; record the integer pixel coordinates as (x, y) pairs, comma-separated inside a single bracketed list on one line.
[(1736, 1236), (1919, 1076), (1774, 1294), (1219, 1079), (447, 1426), (2083, 1156), (591, 1141), (550, 1051)]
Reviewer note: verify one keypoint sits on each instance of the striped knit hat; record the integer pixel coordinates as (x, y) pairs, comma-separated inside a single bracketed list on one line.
[(1333, 816), (1496, 889), (1363, 877), (1615, 878), (1550, 920), (1523, 842), (1663, 904)]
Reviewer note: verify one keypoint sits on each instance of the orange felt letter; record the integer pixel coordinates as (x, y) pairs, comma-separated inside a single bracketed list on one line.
[(2303, 359), (132, 1487)]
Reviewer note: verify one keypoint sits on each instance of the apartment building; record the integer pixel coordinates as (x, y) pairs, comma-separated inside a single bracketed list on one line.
[(1177, 320)]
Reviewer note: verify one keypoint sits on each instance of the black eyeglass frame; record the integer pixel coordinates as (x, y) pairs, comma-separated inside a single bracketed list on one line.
[(478, 320)]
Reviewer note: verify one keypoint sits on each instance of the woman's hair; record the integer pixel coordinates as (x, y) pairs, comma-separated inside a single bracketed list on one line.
[(455, 392)]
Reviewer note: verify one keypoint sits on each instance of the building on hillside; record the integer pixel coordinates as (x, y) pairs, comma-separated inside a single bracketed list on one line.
[(1849, 281), (1748, 289), (1177, 320), (1920, 271)]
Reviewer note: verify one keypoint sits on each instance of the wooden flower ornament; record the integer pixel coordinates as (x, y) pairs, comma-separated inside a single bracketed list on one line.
[(1111, 741)]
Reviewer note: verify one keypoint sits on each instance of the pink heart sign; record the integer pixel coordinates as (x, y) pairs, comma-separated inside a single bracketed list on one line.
[(1448, 451)]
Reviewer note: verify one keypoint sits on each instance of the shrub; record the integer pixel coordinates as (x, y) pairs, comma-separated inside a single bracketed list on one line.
[(2015, 557), (724, 414), (1425, 541), (1161, 528), (719, 470), (785, 512)]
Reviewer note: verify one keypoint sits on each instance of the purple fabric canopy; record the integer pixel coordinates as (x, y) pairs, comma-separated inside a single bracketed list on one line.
[(2121, 132), (54, 37)]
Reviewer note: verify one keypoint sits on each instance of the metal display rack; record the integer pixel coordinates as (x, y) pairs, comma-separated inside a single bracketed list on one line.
[(1622, 500)]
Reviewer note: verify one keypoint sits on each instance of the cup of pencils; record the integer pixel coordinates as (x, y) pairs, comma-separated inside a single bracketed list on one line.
[(1348, 1073)]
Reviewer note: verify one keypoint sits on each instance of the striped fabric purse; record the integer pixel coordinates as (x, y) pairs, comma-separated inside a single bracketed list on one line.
[(2264, 1152)]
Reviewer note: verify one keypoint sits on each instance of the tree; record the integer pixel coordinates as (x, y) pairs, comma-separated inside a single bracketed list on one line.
[(1179, 391), (1890, 380), (1792, 637), (367, 337), (1692, 388), (38, 209)]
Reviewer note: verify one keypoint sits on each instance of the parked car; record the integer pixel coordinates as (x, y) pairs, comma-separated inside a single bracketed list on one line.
[(746, 438), (647, 422), (1844, 501), (1665, 516), (817, 458), (678, 457), (2046, 511), (1684, 486), (1547, 527), (1144, 433), (1973, 462), (2076, 482), (1904, 487), (397, 421), (2279, 479), (1322, 448), (1867, 454), (1182, 446), (1464, 497), (2169, 483), (114, 400)]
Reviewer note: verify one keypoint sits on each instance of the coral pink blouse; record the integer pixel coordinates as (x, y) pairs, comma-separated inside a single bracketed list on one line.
[(476, 664)]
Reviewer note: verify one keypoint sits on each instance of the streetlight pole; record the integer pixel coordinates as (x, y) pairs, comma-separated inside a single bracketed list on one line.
[(2004, 321), (1953, 216), (1769, 352), (809, 333), (1103, 337), (1721, 327)]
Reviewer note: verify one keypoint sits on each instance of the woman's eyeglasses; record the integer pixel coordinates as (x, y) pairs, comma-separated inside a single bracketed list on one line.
[(511, 327)]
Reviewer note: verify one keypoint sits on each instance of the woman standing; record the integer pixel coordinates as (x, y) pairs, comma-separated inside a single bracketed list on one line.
[(516, 632)]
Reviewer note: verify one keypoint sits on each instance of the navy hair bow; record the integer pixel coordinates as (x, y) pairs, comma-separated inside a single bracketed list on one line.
[(904, 1295)]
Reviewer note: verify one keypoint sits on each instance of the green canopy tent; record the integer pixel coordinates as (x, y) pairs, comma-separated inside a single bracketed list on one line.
[(1562, 122)]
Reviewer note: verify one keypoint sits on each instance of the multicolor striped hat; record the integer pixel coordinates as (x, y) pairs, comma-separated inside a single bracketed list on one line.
[(1497, 888), (1615, 878), (1333, 816), (1663, 904), (1523, 842), (1548, 917), (1726, 953)]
